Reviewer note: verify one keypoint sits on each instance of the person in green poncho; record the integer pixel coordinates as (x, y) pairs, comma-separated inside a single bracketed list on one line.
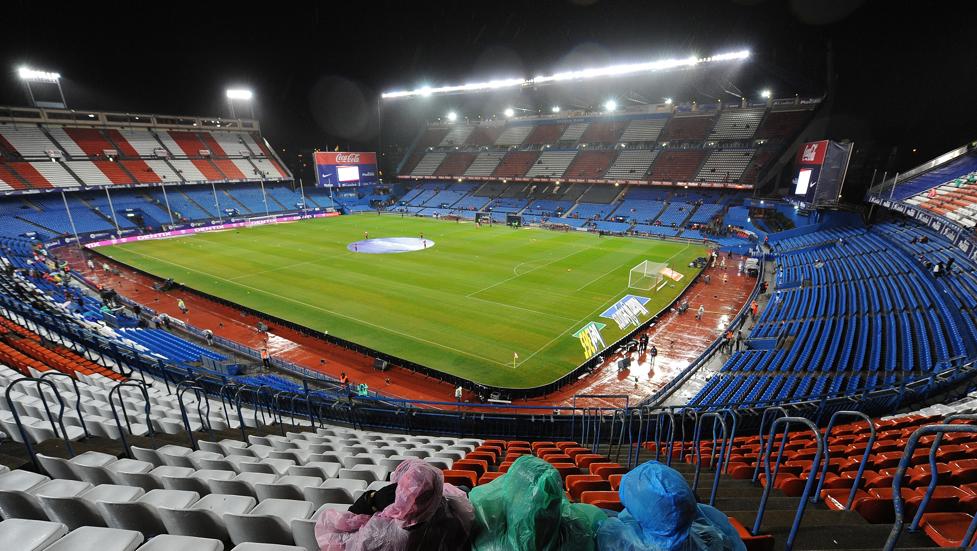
[(527, 510)]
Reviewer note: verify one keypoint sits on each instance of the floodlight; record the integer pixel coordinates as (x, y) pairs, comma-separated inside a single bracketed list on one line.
[(509, 112), (765, 94), (452, 116), (668, 101), (595, 72), (239, 93), (555, 109), (28, 74), (610, 105)]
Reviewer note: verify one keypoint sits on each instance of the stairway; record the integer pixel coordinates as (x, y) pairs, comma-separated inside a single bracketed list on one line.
[(821, 528), (241, 206)]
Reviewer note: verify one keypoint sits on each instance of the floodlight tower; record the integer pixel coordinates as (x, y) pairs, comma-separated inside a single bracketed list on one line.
[(35, 76), (240, 95)]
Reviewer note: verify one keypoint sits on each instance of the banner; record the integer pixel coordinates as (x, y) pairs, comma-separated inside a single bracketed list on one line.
[(590, 339), (345, 169)]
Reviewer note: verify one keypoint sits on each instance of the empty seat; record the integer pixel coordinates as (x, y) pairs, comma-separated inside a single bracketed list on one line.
[(31, 535), (269, 522), (167, 542), (102, 539)]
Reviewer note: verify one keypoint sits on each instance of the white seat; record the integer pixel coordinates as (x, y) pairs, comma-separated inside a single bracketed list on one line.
[(286, 487), (321, 496), (148, 455), (102, 539), (173, 499), (168, 542), (269, 522), (358, 474), (73, 512), (30, 535), (350, 461), (21, 480), (323, 468), (303, 532), (205, 518), (56, 467), (136, 515), (252, 546), (242, 485), (152, 480)]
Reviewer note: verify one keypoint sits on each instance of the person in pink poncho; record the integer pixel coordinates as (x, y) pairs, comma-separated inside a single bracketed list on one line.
[(423, 513)]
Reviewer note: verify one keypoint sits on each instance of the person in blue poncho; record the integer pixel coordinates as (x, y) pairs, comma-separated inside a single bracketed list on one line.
[(661, 514)]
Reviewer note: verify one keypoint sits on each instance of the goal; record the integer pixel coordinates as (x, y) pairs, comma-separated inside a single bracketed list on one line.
[(647, 276)]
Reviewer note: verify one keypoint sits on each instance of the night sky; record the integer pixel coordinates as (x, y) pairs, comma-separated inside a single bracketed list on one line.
[(902, 73)]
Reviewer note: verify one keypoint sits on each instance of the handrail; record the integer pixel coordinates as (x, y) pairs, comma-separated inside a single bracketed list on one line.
[(732, 435), (74, 382), (20, 424), (117, 391), (808, 486), (659, 425), (201, 396), (949, 419), (717, 417), (900, 521), (763, 422), (827, 454)]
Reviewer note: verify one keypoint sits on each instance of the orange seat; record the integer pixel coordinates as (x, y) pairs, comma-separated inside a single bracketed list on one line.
[(488, 457), (504, 466), (489, 477), (604, 499), (543, 452), (518, 444), (566, 469), (605, 470), (478, 466), (537, 445), (565, 445), (460, 478), (762, 542), (496, 443), (573, 452), (947, 529), (558, 458), (615, 480), (584, 460)]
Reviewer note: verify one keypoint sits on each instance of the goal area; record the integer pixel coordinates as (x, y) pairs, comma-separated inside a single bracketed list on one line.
[(647, 276)]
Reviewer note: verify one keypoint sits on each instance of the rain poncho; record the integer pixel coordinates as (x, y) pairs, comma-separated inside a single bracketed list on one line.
[(661, 514), (427, 514), (526, 510)]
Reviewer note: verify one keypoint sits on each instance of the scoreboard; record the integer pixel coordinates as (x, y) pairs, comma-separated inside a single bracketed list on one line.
[(345, 169), (821, 169)]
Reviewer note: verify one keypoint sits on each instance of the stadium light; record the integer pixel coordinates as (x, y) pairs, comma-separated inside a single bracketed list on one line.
[(555, 109), (452, 116), (610, 105), (239, 93), (765, 94), (596, 72), (509, 112), (33, 75), (668, 101)]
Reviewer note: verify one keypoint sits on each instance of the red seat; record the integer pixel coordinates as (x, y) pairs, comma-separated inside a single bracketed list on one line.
[(604, 499), (566, 469), (504, 466), (615, 480), (564, 445), (496, 443), (558, 458), (605, 470), (574, 452), (460, 478), (518, 444), (876, 506), (947, 529), (478, 466), (577, 484), (837, 499), (762, 542), (489, 477), (537, 445), (963, 471), (584, 460), (488, 457)]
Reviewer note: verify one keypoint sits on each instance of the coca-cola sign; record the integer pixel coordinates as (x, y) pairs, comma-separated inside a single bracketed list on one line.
[(345, 158)]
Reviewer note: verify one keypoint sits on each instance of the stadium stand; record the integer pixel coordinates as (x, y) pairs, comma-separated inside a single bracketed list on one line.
[(677, 165), (551, 164), (725, 165)]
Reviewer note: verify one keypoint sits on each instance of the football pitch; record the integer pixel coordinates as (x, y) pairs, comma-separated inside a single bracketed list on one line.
[(465, 306)]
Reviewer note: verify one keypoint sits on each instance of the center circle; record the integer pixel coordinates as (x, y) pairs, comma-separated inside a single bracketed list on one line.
[(390, 245)]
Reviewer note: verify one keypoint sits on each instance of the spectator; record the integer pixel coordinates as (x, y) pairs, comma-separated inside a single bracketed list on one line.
[(661, 514), (700, 311), (527, 510), (418, 511), (182, 306), (458, 393), (265, 359)]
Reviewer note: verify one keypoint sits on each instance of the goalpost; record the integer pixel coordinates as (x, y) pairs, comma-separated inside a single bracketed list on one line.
[(647, 276)]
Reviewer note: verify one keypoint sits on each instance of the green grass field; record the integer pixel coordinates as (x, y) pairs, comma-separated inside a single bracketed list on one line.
[(463, 306)]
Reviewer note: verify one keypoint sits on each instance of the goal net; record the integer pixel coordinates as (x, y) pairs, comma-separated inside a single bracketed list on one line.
[(647, 276)]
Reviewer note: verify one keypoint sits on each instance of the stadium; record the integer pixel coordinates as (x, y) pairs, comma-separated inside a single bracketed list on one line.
[(579, 275)]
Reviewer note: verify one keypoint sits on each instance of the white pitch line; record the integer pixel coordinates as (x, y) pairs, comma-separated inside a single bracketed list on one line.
[(506, 280), (522, 308), (328, 311)]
